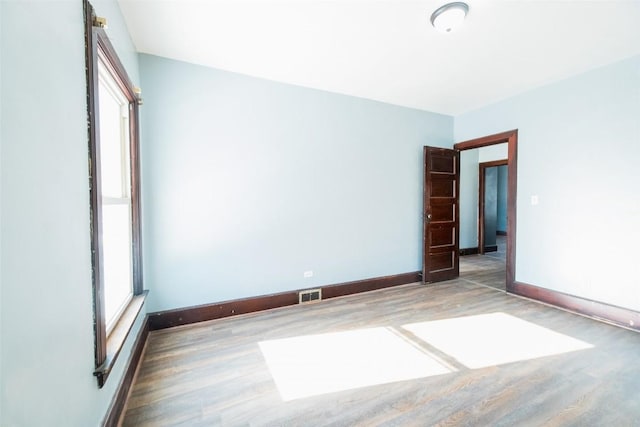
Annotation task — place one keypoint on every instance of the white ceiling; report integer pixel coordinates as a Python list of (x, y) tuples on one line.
[(387, 50)]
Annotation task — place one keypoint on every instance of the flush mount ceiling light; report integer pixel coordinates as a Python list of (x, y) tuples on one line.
[(446, 18)]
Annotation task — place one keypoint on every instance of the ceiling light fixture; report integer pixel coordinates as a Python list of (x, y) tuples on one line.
[(446, 18)]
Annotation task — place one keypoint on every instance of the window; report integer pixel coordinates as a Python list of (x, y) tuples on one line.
[(115, 205), (115, 193)]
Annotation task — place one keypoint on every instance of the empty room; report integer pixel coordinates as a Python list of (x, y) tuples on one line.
[(319, 212)]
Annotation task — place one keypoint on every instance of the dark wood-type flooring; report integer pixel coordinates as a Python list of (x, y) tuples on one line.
[(465, 354)]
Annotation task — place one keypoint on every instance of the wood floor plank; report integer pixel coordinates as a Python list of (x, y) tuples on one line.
[(215, 374)]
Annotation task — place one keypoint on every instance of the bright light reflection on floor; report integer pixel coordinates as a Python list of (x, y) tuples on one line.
[(493, 339), (317, 364)]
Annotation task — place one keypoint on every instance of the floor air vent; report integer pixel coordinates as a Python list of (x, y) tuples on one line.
[(310, 295)]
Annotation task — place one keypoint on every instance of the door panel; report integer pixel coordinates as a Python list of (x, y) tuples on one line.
[(440, 260), (442, 212), (442, 237), (442, 185), (441, 163)]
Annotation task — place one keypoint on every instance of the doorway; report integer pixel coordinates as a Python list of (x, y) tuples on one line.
[(483, 218), (431, 226), (511, 138), (492, 205)]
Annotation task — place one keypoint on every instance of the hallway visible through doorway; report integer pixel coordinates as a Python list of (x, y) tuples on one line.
[(501, 253), (488, 269)]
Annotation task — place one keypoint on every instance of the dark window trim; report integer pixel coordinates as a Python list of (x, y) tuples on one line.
[(97, 45), (118, 336)]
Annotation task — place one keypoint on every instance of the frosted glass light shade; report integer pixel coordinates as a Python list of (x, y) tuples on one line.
[(449, 16)]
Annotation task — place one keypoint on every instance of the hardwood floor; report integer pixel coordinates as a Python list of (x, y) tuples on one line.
[(488, 269), (483, 270), (454, 353), (501, 243)]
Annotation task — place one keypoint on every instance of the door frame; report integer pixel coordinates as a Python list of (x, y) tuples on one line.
[(511, 138), (481, 193)]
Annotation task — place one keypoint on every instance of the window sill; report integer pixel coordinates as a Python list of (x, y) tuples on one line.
[(119, 335)]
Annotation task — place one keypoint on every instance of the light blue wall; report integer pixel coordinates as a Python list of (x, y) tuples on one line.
[(469, 171), (503, 174), (578, 151), (45, 270), (249, 183), (1, 329), (469, 198), (493, 152), (119, 36)]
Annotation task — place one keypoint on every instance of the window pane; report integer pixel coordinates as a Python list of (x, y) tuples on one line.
[(111, 152), (116, 250), (116, 205)]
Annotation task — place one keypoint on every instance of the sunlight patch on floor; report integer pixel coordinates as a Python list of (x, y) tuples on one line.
[(493, 339), (317, 364)]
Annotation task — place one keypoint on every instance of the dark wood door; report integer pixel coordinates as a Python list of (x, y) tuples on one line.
[(441, 256)]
